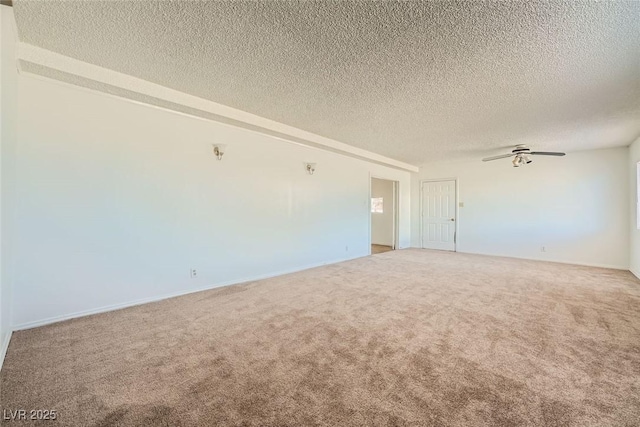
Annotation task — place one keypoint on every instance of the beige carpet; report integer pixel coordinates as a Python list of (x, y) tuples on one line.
[(408, 337)]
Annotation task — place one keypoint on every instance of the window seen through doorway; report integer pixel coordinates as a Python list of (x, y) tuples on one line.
[(377, 205)]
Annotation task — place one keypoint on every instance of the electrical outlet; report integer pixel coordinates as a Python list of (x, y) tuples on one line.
[(193, 273), (543, 249)]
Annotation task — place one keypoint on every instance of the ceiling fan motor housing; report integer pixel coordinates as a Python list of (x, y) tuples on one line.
[(520, 150)]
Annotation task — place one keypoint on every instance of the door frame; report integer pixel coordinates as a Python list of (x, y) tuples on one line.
[(457, 213), (396, 210)]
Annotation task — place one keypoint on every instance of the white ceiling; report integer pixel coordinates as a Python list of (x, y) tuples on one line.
[(415, 81)]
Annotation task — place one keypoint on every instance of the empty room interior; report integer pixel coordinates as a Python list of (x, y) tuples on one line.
[(320, 213)]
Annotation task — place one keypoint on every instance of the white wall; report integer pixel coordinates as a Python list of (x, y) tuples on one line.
[(634, 238), (382, 223), (576, 206), (119, 200), (8, 111)]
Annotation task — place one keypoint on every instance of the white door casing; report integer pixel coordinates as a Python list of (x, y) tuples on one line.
[(438, 215)]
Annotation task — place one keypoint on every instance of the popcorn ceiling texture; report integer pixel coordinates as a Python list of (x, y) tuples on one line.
[(415, 81)]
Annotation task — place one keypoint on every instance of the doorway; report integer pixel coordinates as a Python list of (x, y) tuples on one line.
[(384, 215), (438, 214)]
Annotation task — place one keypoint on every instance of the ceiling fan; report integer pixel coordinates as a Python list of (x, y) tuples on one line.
[(522, 155)]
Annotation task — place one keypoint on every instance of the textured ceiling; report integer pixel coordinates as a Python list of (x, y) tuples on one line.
[(415, 81)]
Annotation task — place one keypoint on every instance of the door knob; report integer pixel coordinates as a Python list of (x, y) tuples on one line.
[(452, 219)]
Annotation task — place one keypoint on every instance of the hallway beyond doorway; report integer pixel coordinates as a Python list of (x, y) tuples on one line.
[(378, 249)]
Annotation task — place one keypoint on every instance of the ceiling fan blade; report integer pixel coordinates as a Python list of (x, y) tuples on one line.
[(546, 153), (502, 156)]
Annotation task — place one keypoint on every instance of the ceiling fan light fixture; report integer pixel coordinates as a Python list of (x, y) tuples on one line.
[(527, 159), (517, 161)]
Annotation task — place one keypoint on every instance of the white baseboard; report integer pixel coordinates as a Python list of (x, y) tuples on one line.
[(635, 273), (559, 261), (4, 346), (112, 307)]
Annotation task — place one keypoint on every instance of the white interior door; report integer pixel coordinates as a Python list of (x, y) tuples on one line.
[(439, 215)]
